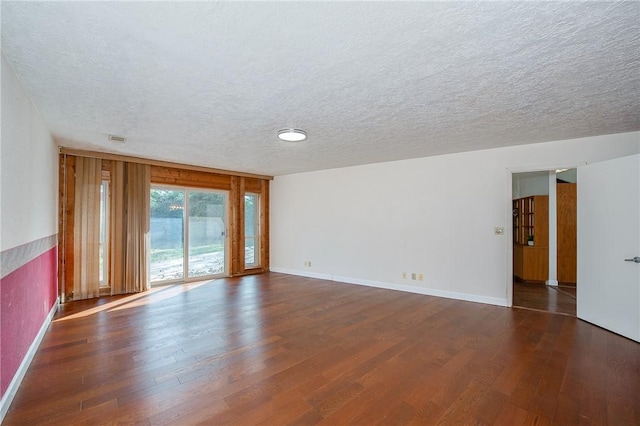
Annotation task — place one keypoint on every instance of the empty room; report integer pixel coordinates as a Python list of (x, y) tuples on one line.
[(278, 213)]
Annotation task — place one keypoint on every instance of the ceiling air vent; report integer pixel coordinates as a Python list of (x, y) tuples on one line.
[(117, 139)]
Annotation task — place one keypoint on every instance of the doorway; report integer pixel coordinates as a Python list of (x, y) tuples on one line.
[(187, 234), (544, 240)]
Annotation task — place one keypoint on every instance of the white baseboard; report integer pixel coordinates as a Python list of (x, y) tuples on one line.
[(398, 287), (552, 282), (7, 398), (302, 273)]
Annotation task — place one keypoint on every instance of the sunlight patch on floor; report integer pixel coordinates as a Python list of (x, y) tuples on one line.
[(152, 295)]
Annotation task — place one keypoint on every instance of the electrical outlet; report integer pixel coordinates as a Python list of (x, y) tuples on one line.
[(404, 275), (420, 277), (413, 275), (309, 265)]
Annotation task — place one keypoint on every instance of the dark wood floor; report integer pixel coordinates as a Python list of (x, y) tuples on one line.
[(276, 349), (558, 299)]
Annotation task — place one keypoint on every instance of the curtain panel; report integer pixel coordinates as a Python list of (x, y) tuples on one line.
[(86, 232), (129, 211)]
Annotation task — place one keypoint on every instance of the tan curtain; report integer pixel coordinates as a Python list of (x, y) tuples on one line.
[(130, 189), (86, 229)]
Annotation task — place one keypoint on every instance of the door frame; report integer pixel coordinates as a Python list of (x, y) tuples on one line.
[(508, 231)]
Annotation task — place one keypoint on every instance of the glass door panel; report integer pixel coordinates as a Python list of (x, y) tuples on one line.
[(104, 234), (250, 230), (167, 234), (206, 233)]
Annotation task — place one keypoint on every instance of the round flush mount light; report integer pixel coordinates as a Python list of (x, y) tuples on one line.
[(292, 135)]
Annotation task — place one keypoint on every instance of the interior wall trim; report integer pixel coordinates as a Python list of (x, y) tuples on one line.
[(152, 162), (13, 258)]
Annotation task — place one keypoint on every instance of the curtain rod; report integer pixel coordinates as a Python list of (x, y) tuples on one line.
[(119, 157)]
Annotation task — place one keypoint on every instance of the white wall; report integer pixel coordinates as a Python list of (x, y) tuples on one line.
[(570, 175), (537, 183), (29, 172), (369, 224), (531, 183)]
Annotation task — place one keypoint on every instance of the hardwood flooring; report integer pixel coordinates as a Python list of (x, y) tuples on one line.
[(558, 299), (276, 349)]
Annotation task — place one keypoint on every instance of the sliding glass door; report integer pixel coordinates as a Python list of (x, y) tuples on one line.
[(206, 234), (167, 234), (188, 234)]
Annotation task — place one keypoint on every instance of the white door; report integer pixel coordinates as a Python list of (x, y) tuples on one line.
[(608, 233)]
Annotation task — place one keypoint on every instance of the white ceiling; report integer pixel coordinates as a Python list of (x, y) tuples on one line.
[(211, 83)]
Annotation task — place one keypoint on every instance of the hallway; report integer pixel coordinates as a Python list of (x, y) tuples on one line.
[(560, 299)]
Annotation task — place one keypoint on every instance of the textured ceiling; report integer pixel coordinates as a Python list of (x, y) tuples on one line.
[(211, 83)]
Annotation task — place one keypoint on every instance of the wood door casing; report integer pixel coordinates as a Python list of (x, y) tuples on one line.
[(567, 231)]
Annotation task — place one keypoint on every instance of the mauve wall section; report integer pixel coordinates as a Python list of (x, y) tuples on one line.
[(26, 298)]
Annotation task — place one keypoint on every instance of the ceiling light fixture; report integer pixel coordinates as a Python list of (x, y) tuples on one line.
[(292, 135)]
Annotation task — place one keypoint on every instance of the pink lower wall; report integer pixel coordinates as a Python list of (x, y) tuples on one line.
[(26, 298)]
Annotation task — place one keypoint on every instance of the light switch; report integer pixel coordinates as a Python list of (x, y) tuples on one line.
[(498, 230)]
